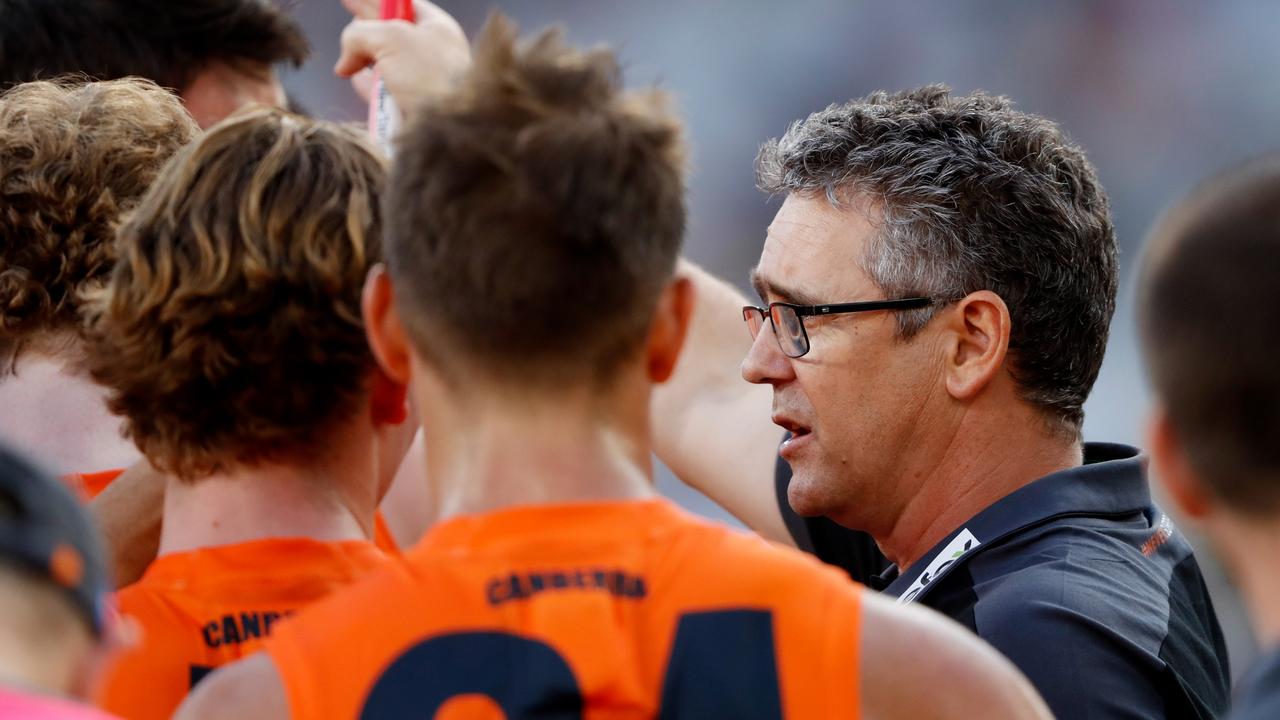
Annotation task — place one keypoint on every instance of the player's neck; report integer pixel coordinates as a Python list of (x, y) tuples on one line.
[(329, 500), (1248, 547), (59, 417), (579, 447), (961, 480)]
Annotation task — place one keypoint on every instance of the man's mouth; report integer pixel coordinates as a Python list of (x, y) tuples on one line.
[(796, 429), (798, 435)]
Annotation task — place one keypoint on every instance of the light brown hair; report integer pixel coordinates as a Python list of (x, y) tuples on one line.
[(230, 332), (1210, 326), (535, 213), (74, 155)]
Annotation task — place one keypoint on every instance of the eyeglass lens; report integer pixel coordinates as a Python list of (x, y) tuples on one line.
[(790, 331), (755, 320), (787, 327)]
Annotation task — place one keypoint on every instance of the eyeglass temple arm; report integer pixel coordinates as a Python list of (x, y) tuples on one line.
[(899, 304)]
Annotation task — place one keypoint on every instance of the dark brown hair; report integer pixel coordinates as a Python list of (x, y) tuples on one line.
[(73, 157), (168, 41), (230, 332), (975, 195), (1210, 327), (535, 213)]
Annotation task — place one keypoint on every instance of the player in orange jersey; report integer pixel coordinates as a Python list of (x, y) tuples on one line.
[(534, 219), (75, 156), (231, 338)]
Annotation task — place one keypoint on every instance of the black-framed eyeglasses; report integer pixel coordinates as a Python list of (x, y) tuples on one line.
[(788, 318)]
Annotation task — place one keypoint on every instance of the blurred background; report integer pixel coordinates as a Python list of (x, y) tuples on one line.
[(1159, 93)]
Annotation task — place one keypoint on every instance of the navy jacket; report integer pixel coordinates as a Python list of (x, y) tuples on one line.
[(1078, 578)]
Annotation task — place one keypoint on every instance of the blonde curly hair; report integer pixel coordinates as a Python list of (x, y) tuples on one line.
[(230, 332), (74, 155)]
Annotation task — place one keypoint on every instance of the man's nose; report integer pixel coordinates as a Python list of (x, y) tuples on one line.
[(765, 362)]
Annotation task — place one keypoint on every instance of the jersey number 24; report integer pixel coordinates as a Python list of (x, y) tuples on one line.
[(722, 664)]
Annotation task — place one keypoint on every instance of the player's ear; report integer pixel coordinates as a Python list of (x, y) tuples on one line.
[(977, 342), (669, 328), (1170, 464), (382, 326), (388, 399)]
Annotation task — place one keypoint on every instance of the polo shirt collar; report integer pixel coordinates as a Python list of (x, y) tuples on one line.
[(1111, 482)]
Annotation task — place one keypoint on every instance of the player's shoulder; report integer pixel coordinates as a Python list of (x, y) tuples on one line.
[(151, 673), (250, 689), (396, 586), (911, 650), (1064, 578), (1072, 550), (176, 590), (356, 629), (717, 556), (155, 607)]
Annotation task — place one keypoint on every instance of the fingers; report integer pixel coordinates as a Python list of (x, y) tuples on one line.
[(416, 60), (362, 41), (365, 42)]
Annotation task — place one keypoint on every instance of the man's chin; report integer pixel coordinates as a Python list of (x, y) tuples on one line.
[(804, 496)]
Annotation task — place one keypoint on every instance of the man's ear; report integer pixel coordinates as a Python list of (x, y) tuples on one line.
[(977, 344), (670, 326), (1172, 466), (382, 327)]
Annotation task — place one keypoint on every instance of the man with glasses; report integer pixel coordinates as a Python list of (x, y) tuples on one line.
[(936, 292), (945, 426)]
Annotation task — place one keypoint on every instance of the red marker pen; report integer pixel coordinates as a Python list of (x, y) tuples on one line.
[(384, 116)]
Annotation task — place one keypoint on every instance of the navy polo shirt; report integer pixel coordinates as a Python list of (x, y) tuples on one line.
[(1078, 578), (1259, 694)]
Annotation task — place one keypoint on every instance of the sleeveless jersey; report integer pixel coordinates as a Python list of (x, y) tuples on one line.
[(201, 609), (595, 610)]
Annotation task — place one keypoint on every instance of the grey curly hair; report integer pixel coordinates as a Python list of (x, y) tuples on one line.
[(972, 195)]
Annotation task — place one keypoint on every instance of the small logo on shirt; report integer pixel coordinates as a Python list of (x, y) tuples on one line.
[(959, 546), (1164, 531)]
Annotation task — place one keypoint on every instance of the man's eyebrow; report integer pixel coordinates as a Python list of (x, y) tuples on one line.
[(766, 289)]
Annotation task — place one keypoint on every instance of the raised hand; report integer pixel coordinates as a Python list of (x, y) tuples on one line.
[(416, 60)]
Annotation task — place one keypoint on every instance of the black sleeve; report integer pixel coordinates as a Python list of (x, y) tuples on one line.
[(850, 550)]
